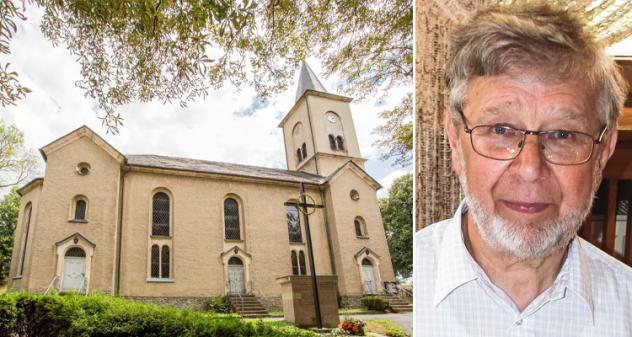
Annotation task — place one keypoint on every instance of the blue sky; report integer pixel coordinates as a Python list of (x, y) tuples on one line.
[(230, 125)]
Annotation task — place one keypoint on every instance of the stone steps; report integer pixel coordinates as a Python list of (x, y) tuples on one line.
[(398, 304), (248, 306)]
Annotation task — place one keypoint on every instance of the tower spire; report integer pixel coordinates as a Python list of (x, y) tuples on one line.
[(308, 81)]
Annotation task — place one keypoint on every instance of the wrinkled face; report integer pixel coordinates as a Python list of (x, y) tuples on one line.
[(527, 207)]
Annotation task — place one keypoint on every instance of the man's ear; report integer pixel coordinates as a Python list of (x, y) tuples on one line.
[(453, 139), (607, 149)]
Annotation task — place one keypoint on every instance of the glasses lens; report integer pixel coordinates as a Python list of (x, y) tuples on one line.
[(566, 147), (496, 141)]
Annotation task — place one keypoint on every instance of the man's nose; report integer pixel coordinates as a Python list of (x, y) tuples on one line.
[(530, 164)]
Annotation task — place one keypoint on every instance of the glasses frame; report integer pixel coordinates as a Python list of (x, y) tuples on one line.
[(525, 132)]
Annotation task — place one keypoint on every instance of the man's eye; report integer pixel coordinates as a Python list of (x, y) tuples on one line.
[(501, 130), (560, 135)]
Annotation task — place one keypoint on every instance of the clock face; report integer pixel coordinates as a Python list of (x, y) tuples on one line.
[(332, 118)]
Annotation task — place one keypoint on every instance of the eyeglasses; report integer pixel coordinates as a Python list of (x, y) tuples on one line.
[(560, 147)]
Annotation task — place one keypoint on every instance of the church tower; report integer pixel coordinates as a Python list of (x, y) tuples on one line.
[(318, 131)]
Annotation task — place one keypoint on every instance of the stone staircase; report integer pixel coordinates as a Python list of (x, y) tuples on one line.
[(398, 304), (248, 306)]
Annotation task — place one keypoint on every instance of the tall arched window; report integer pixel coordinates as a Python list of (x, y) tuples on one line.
[(160, 214), (164, 262), (155, 261), (340, 143), (332, 142), (293, 224), (358, 227), (299, 155), (301, 262), (295, 270), (27, 224), (80, 209), (231, 220), (304, 150)]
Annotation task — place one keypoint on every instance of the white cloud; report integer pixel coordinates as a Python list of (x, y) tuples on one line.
[(388, 180)]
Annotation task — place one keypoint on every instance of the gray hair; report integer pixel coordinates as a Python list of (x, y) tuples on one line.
[(553, 42)]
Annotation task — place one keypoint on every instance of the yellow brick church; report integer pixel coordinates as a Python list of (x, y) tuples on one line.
[(178, 230)]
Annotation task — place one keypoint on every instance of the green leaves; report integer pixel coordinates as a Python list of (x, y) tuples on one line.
[(9, 209), (16, 161), (397, 215)]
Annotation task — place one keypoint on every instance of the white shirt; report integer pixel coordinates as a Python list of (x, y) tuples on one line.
[(591, 296)]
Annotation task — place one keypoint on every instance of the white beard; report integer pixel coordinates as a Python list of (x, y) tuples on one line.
[(526, 241)]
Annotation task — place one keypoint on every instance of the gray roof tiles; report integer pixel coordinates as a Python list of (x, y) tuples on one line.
[(204, 166), (308, 81)]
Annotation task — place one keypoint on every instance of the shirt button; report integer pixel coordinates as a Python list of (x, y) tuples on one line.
[(519, 322)]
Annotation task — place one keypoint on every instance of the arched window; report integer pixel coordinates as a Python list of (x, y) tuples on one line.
[(231, 220), (160, 214), (301, 261), (299, 155), (332, 142), (295, 270), (155, 261), (293, 224), (358, 227), (235, 261), (340, 143), (27, 224), (164, 263), (304, 150), (367, 262), (80, 209)]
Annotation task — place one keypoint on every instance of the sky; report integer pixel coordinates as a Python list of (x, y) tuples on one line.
[(229, 125)]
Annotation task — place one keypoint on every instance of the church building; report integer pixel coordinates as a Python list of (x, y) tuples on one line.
[(176, 230)]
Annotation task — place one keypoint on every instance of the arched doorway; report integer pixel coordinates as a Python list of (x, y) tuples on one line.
[(368, 277), (74, 270), (235, 276)]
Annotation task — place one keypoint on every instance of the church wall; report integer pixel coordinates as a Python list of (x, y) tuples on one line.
[(298, 115), (318, 107), (21, 282), (346, 242), (198, 235), (327, 164), (52, 224)]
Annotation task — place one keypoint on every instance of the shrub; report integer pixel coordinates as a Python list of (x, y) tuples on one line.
[(375, 303), (72, 315), (218, 304)]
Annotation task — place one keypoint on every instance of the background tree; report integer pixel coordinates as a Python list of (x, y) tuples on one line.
[(9, 208), (397, 215), (16, 161), (177, 49)]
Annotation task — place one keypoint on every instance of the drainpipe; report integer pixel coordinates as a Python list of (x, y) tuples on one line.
[(117, 280)]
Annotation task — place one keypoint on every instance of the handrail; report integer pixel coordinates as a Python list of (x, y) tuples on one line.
[(52, 285)]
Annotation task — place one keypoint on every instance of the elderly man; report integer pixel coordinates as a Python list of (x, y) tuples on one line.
[(532, 120)]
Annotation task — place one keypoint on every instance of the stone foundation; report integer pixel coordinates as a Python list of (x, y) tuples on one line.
[(350, 301), (271, 303), (197, 303)]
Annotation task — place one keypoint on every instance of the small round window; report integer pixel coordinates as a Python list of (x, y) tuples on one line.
[(83, 169), (355, 196)]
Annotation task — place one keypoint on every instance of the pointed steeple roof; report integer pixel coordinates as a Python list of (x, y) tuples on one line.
[(308, 81)]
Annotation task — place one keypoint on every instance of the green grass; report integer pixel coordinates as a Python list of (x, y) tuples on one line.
[(384, 327), (276, 313), (357, 311)]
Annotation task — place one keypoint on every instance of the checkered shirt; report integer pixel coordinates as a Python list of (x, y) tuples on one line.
[(591, 296)]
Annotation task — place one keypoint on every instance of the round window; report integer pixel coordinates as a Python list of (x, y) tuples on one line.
[(355, 196), (83, 169)]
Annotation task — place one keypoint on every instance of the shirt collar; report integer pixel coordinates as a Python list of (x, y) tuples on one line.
[(456, 267)]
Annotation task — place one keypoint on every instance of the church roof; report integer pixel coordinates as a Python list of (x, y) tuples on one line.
[(308, 81), (196, 165)]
